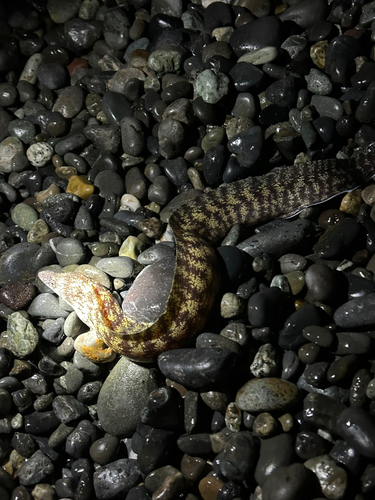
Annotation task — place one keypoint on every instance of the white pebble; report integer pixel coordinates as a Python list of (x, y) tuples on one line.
[(29, 72), (39, 154), (129, 202)]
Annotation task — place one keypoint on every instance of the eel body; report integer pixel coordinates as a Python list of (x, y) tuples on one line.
[(197, 225)]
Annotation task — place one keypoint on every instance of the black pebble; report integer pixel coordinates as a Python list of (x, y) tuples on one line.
[(185, 366)]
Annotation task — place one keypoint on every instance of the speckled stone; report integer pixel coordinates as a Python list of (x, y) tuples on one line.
[(211, 85), (165, 61), (20, 337), (9, 147), (70, 102), (266, 394), (332, 478)]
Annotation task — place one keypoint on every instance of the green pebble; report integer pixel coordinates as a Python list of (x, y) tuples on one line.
[(24, 216), (213, 138), (211, 85)]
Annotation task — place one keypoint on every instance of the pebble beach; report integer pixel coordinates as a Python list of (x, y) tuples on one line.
[(113, 114)]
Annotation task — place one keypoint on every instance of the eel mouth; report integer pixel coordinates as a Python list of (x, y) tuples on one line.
[(48, 278)]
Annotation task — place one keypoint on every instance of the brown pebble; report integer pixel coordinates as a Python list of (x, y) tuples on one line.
[(65, 172), (193, 468), (265, 425), (286, 422), (180, 388), (233, 417), (48, 237), (57, 161), (351, 203), (78, 62), (80, 186), (32, 202), (172, 486), (137, 29), (140, 53), (215, 400), (20, 369), (151, 227), (39, 231), (330, 217), (17, 295), (52, 190), (210, 486), (361, 256), (308, 353), (39, 138), (318, 53)]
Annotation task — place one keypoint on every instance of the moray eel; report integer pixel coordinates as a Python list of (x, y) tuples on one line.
[(197, 225)]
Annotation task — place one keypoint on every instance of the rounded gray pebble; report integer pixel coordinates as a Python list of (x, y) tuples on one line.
[(69, 251)]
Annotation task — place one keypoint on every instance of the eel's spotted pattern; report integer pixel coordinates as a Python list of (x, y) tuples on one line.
[(197, 225)]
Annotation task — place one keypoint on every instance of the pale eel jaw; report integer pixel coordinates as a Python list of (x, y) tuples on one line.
[(48, 278), (88, 344)]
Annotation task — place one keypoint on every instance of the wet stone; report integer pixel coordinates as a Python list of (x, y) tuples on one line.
[(357, 428), (104, 137), (184, 365), (332, 478), (364, 112), (171, 136), (159, 191), (41, 422), (71, 381), (246, 76), (322, 411), (290, 336), (261, 302), (238, 456), (264, 32), (69, 251), (195, 444), (68, 409), (23, 443), (247, 145), (278, 241), (22, 129), (340, 53), (275, 452), (288, 482), (327, 106), (35, 469), (79, 440), (265, 362), (342, 368), (164, 409), (315, 373), (265, 425), (155, 449), (132, 136), (356, 313), (309, 445), (104, 450)]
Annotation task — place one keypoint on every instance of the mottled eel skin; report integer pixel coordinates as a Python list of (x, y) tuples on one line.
[(197, 225)]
